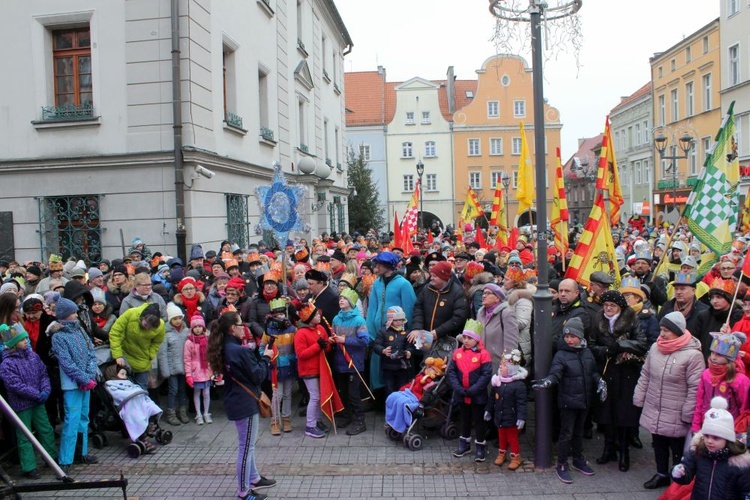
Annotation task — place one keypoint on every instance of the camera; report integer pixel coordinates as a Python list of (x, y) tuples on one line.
[(208, 174)]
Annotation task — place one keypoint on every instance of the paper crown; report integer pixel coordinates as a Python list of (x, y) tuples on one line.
[(349, 279), (227, 256), (685, 279), (307, 312), (12, 335), (301, 254), (324, 267), (277, 304), (630, 282), (54, 258), (273, 276), (643, 254), (350, 295), (472, 269), (727, 345), (514, 274), (529, 274), (473, 329), (725, 287)]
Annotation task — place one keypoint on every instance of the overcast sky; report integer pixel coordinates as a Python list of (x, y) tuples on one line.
[(423, 37)]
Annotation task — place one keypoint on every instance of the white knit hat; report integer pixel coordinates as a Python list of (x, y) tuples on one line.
[(718, 421), (173, 311)]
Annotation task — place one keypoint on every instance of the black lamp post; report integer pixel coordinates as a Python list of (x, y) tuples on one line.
[(505, 178), (420, 173), (686, 144)]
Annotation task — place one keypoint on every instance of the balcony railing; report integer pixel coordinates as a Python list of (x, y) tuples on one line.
[(339, 167), (233, 120), (267, 134), (68, 112)]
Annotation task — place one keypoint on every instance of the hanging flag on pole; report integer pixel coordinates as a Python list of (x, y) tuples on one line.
[(559, 219), (525, 188), (396, 231), (608, 177), (412, 212), (595, 250), (498, 216), (471, 209), (711, 210), (744, 223)]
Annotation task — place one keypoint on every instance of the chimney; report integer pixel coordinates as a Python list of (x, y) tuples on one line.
[(450, 89), (381, 71)]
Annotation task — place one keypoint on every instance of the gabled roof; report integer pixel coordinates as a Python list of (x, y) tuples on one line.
[(641, 92), (586, 153)]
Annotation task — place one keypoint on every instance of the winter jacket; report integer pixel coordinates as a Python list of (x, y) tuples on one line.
[(352, 325), (469, 374), (138, 346), (307, 349), (520, 299), (25, 377), (444, 311), (284, 359), (727, 479), (116, 294), (258, 311), (80, 293), (388, 337), (133, 300), (735, 393), (474, 292), (242, 306), (250, 369), (499, 333), (171, 352), (507, 401), (196, 367), (649, 325), (200, 308), (625, 339), (75, 355), (691, 319), (328, 303), (667, 389), (105, 320), (712, 320), (574, 371), (213, 299), (561, 314)]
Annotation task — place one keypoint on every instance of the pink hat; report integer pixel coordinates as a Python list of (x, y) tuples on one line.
[(197, 320)]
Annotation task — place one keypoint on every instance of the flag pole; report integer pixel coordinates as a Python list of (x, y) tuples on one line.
[(559, 223), (734, 299), (349, 359)]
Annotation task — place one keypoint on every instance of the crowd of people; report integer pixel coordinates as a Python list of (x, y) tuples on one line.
[(341, 319)]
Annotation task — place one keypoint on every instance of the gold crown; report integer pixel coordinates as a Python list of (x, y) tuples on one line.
[(726, 286)]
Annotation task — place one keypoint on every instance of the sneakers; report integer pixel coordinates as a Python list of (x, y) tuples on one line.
[(464, 447), (358, 427), (207, 418), (199, 419), (263, 483), (251, 495), (314, 432), (563, 473), (582, 466)]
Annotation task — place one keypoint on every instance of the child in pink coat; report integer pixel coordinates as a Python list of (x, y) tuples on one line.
[(722, 378), (197, 372)]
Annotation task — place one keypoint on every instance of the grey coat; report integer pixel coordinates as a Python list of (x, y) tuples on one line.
[(667, 388), (170, 355), (499, 332)]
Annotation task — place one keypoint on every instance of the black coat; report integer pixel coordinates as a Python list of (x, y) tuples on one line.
[(691, 319), (574, 371), (397, 342), (715, 479), (711, 320), (561, 315), (507, 403), (328, 303), (444, 311)]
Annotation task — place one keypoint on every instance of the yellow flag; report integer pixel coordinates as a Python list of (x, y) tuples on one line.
[(525, 189), (608, 176), (559, 219), (471, 209), (745, 215)]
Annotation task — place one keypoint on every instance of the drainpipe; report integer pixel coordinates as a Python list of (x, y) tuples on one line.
[(179, 177)]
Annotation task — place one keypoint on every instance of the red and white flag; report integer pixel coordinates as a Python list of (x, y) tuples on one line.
[(412, 212)]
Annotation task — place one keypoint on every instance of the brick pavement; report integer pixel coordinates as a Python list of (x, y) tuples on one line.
[(199, 463)]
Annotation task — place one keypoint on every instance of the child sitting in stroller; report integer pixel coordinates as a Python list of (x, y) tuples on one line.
[(136, 409), (400, 405)]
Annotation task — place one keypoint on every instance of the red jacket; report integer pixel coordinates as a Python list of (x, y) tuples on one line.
[(308, 351)]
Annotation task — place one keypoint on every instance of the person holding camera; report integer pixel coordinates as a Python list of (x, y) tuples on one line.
[(395, 351)]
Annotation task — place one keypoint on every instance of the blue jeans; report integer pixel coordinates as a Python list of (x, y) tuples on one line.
[(177, 395), (247, 472), (141, 379), (76, 422)]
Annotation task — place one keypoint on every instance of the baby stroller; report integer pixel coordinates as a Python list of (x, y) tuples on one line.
[(431, 411), (124, 407)]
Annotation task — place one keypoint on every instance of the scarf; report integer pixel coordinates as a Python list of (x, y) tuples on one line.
[(684, 308), (669, 346), (717, 373), (32, 328), (637, 308), (202, 342), (612, 320), (270, 296), (489, 309), (191, 305)]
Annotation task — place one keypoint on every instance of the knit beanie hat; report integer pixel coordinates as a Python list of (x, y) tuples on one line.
[(9, 287), (442, 270), (394, 312), (12, 335), (674, 322), (65, 308), (33, 302), (718, 421), (615, 297), (301, 284), (574, 326), (95, 272), (152, 315), (350, 295), (173, 311), (197, 320), (35, 270), (237, 283), (498, 291)]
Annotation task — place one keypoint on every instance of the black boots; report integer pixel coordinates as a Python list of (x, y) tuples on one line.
[(608, 455), (624, 464)]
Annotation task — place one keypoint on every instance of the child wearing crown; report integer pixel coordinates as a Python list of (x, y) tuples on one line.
[(279, 337), (469, 374)]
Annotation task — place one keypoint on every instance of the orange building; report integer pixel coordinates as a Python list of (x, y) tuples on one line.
[(487, 138)]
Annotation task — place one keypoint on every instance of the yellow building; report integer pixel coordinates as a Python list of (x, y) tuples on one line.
[(487, 138), (686, 83)]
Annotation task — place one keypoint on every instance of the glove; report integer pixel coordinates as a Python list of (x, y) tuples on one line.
[(43, 396), (541, 384), (520, 424), (189, 381), (678, 471), (487, 416), (271, 340), (89, 386), (322, 343), (601, 389), (613, 349)]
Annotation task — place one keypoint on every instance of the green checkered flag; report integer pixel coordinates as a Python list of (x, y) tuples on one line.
[(711, 209)]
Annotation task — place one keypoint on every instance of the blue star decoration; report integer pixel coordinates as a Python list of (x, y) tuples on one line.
[(278, 205)]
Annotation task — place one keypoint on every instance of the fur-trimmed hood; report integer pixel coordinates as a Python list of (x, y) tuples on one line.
[(527, 292), (123, 289), (478, 282), (741, 461), (520, 374)]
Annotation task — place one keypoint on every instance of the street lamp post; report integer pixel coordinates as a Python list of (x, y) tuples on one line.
[(686, 144), (505, 178), (420, 173)]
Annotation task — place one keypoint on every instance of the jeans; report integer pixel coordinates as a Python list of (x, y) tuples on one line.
[(141, 379), (35, 417), (283, 393), (571, 435), (662, 446), (247, 433), (348, 387), (313, 406), (177, 396), (76, 422), (394, 380)]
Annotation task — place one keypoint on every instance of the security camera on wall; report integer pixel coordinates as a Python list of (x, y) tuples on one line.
[(208, 174)]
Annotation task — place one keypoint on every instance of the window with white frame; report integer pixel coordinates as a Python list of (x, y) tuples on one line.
[(408, 183), (407, 150), (675, 105), (516, 146), (410, 117), (493, 109), (693, 161), (705, 44), (662, 110), (496, 177), (426, 118), (637, 134), (688, 54), (646, 171), (689, 99), (638, 173), (734, 65), (429, 149), (672, 65), (738, 133), (515, 179), (706, 146), (496, 146), (519, 108), (475, 180), (431, 182), (364, 150), (474, 147), (624, 175), (645, 132), (630, 137), (733, 7), (618, 146), (707, 92)]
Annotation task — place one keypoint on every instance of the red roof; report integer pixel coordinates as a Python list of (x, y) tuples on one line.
[(586, 153), (643, 91)]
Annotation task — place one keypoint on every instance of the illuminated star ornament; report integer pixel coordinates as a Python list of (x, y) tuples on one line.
[(278, 205)]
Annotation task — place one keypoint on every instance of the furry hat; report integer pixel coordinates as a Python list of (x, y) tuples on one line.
[(718, 421)]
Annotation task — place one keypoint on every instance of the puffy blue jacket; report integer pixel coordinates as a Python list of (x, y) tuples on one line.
[(352, 325)]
